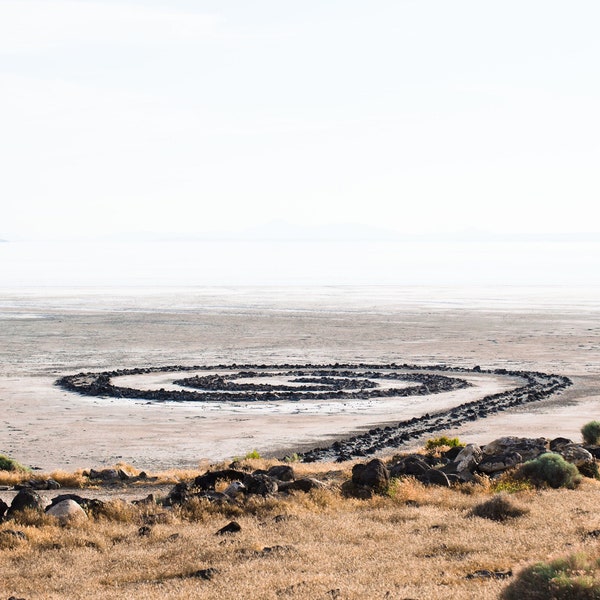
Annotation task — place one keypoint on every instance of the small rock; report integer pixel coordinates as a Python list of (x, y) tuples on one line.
[(233, 527), (487, 574), (206, 574), (234, 489), (144, 531)]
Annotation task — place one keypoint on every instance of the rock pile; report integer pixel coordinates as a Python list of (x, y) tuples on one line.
[(460, 465)]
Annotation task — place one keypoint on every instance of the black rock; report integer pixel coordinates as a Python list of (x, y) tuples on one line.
[(374, 475), (208, 480), (282, 473), (206, 574), (260, 484), (26, 498), (233, 527)]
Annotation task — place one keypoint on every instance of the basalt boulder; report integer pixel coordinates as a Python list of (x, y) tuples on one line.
[(528, 448), (26, 498), (374, 475), (498, 463)]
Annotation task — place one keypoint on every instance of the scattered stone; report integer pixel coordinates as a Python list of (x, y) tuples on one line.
[(208, 480), (179, 495), (26, 498), (144, 531), (232, 527), (234, 489), (373, 475), (159, 517), (206, 574), (104, 474), (260, 484), (282, 473), (282, 518), (487, 574), (67, 511), (278, 549)]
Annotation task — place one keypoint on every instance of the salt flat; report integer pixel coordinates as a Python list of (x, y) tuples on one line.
[(46, 335)]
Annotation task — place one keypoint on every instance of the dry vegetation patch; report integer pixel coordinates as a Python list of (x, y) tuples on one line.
[(416, 542)]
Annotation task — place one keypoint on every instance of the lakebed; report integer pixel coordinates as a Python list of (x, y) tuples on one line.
[(49, 334)]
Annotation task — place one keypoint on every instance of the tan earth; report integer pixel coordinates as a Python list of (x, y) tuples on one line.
[(45, 336)]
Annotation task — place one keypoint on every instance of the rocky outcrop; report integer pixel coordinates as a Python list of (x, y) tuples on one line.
[(491, 460)]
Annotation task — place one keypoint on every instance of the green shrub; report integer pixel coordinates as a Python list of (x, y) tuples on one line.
[(591, 432), (292, 458), (550, 469), (443, 441), (576, 577), (10, 464), (253, 454)]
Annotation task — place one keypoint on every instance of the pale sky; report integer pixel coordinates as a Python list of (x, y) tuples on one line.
[(420, 116)]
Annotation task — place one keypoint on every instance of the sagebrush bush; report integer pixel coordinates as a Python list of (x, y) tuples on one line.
[(10, 464), (498, 508), (591, 432), (576, 577), (550, 469), (443, 441)]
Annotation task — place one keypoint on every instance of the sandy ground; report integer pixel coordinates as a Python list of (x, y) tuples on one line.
[(44, 337)]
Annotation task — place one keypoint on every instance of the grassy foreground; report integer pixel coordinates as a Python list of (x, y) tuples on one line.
[(415, 542)]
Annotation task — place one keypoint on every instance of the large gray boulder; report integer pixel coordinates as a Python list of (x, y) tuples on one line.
[(467, 459), (528, 448), (67, 511), (576, 455), (498, 463)]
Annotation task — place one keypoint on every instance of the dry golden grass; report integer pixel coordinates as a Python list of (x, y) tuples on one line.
[(417, 542)]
